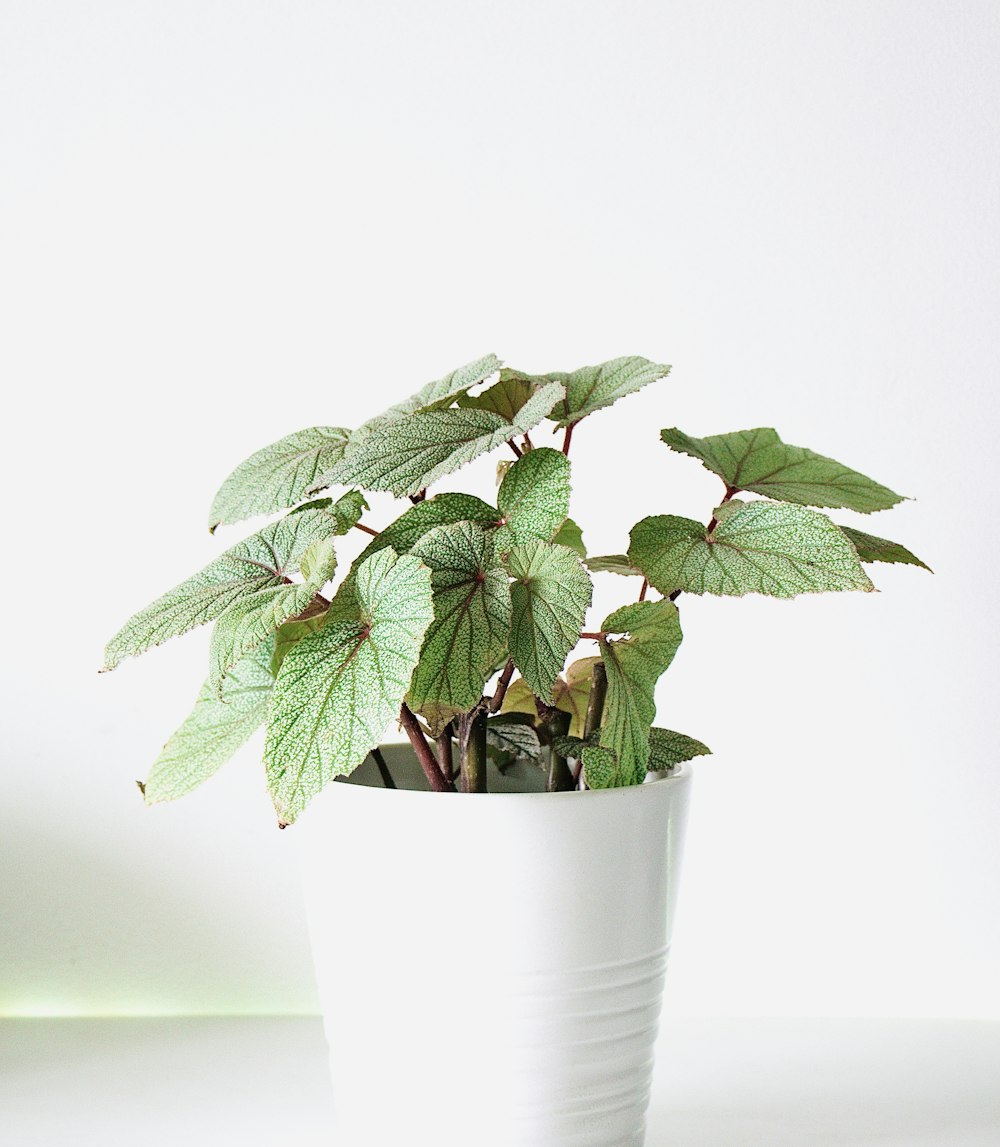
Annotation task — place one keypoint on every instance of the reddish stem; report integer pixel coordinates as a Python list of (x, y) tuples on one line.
[(501, 690), (432, 772), (568, 438), (645, 587), (514, 446), (366, 529)]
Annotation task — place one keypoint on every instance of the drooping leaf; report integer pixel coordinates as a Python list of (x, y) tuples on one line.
[(667, 748), (255, 618), (758, 461), (572, 693), (634, 664), (758, 547), (507, 734), (439, 394), (263, 560), (339, 687), (214, 730), (505, 397), (570, 534), (550, 596), (533, 498), (613, 563), (345, 510), (468, 635), (593, 387), (279, 475), (407, 455), (872, 549)]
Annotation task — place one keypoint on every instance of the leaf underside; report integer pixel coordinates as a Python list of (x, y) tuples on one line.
[(570, 534), (873, 549)]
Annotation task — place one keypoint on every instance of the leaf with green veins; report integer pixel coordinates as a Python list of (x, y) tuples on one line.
[(409, 454), (346, 510), (570, 534), (442, 510), (341, 686), (533, 498), (509, 735), (439, 394), (279, 475), (214, 730), (667, 749), (872, 549), (758, 461), (550, 595), (261, 561), (571, 746), (255, 618), (505, 397), (613, 563), (634, 664), (594, 387), (758, 547), (468, 635)]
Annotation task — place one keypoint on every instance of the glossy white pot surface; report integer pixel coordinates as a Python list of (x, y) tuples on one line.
[(491, 966)]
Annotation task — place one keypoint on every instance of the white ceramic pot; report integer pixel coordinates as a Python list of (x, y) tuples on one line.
[(491, 967)]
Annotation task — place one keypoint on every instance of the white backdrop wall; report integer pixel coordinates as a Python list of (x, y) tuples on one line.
[(221, 222)]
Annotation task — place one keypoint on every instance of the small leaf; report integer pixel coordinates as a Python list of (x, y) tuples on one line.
[(468, 636), (263, 560), (667, 749), (758, 461), (573, 693), (634, 665), (593, 387), (214, 730), (757, 547), (533, 498), (509, 735), (570, 534), (602, 769), (341, 686), (519, 698), (613, 563), (549, 599), (346, 510), (407, 455), (872, 549), (279, 475)]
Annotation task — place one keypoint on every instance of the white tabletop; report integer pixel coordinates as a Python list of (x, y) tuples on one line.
[(719, 1083)]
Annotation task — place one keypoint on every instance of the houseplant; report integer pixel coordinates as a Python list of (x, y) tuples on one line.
[(513, 947)]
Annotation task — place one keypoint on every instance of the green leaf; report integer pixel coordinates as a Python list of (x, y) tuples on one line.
[(263, 560), (279, 475), (757, 460), (634, 664), (346, 510), (593, 387), (757, 547), (667, 748), (250, 621), (573, 692), (214, 730), (505, 397), (570, 534), (613, 563), (533, 498), (471, 620), (340, 687), (507, 734), (291, 633), (872, 549), (549, 600), (439, 394), (603, 770), (407, 455), (443, 510), (519, 698)]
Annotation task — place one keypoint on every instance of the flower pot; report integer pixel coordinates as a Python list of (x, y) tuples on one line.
[(491, 967)]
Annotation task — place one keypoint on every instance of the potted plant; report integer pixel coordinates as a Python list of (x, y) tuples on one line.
[(490, 966)]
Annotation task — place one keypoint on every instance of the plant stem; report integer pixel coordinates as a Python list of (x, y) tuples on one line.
[(444, 753), (528, 445), (730, 491), (501, 691), (366, 529), (419, 496), (599, 636), (595, 702), (383, 768), (555, 723), (472, 745), (514, 446), (435, 777), (645, 587), (568, 438)]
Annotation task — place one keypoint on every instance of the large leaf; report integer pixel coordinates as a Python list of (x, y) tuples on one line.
[(440, 393), (468, 636), (279, 475), (550, 596), (757, 547), (757, 460), (533, 498), (872, 549), (214, 730), (593, 387), (339, 688), (634, 664), (250, 621), (407, 455), (263, 560)]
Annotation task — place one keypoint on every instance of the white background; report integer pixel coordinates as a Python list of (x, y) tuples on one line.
[(220, 222)]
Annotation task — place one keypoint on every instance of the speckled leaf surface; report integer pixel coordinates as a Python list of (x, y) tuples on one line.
[(872, 549), (339, 687), (439, 393), (758, 461), (442, 510), (516, 737), (592, 388), (505, 397), (254, 619), (550, 595), (468, 635), (407, 455), (263, 560), (533, 498), (346, 510), (667, 748), (279, 475), (758, 547), (634, 664), (214, 730)]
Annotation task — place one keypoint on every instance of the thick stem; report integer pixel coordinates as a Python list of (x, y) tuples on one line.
[(472, 745), (568, 438), (501, 690), (595, 702), (444, 753), (383, 768), (435, 778), (514, 446), (559, 778)]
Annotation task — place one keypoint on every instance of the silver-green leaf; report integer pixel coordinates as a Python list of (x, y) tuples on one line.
[(533, 498), (508, 734), (594, 387), (613, 563), (440, 393)]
